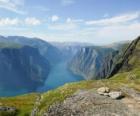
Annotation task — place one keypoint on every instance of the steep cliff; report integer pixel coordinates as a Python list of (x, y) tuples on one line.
[(111, 60), (129, 59), (22, 68), (89, 60)]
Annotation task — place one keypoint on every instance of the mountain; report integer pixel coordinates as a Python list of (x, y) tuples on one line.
[(111, 60), (88, 61), (21, 67), (51, 53), (82, 98), (69, 49), (129, 59), (97, 62)]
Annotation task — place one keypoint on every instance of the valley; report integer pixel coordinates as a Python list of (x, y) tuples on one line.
[(72, 79)]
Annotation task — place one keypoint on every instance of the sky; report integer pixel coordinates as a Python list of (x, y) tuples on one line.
[(91, 21)]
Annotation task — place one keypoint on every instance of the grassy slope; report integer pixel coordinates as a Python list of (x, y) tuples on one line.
[(23, 103)]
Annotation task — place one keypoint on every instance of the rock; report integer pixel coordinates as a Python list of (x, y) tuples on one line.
[(89, 103), (103, 90), (131, 92), (106, 94), (115, 94), (7, 109)]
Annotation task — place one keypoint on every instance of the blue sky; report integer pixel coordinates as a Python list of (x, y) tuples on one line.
[(93, 21)]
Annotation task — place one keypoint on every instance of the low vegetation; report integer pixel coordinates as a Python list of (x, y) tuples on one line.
[(24, 104)]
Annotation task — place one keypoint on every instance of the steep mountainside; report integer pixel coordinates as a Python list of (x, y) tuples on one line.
[(126, 60), (22, 68), (88, 61), (111, 60), (129, 59), (97, 62), (51, 53)]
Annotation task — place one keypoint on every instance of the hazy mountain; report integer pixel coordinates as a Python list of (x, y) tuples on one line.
[(69, 49), (22, 68), (46, 49), (88, 61)]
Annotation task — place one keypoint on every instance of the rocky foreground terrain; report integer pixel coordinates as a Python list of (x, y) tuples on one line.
[(89, 103)]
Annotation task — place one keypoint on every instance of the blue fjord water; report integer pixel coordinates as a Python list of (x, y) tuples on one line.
[(58, 76)]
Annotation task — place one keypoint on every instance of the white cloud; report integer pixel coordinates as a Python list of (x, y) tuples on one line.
[(67, 2), (69, 20), (32, 21), (63, 27), (29, 21), (55, 18), (12, 5), (114, 20), (101, 36), (9, 22)]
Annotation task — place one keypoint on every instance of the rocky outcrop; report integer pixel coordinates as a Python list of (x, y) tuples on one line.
[(22, 68), (106, 92), (89, 103)]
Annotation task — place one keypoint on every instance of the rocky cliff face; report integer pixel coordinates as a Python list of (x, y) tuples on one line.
[(129, 58), (22, 68), (89, 60), (98, 63)]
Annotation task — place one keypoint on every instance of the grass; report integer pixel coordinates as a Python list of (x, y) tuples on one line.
[(24, 103)]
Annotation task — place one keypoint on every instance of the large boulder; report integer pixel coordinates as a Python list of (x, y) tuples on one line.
[(116, 94), (103, 90)]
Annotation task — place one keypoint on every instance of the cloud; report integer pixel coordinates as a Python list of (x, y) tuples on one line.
[(55, 18), (29, 21), (114, 20), (32, 21), (69, 20), (63, 27), (12, 5), (9, 22), (67, 2)]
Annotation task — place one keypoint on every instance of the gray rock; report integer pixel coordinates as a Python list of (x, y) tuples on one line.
[(89, 103), (103, 90), (115, 94), (7, 109)]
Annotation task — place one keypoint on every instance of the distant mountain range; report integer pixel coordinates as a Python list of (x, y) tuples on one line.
[(28, 61)]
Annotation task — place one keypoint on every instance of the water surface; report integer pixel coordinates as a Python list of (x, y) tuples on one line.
[(58, 76)]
